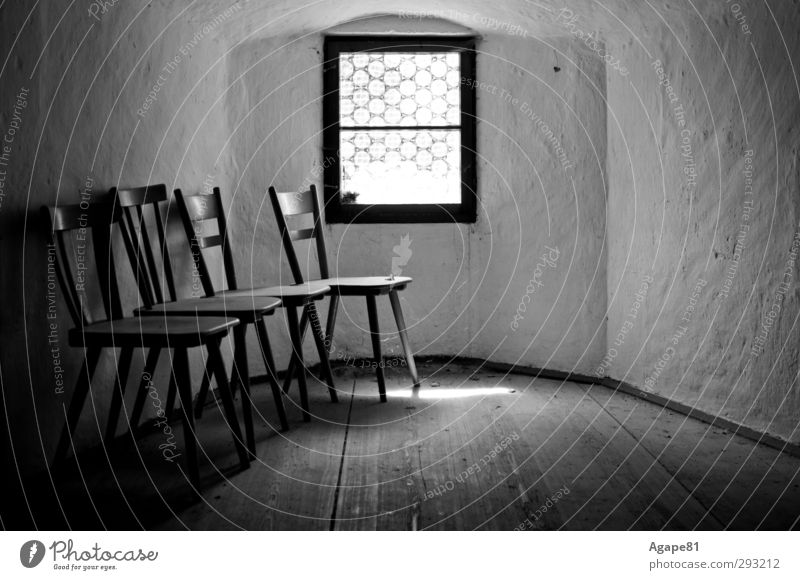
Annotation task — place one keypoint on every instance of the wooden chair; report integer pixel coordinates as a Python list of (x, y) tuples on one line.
[(68, 227), (141, 206), (140, 203), (296, 206), (198, 209)]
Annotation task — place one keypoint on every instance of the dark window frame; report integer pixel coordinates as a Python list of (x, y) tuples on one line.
[(337, 212)]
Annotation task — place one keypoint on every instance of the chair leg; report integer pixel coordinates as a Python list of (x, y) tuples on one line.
[(243, 376), (269, 363), (333, 309), (322, 350), (117, 397), (180, 368), (235, 378), (171, 390), (401, 328), (375, 333), (297, 358), (216, 362), (91, 357), (292, 369), (202, 394), (144, 387)]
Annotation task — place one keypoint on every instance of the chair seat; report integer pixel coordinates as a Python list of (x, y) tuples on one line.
[(147, 331), (365, 285), (294, 294), (247, 309)]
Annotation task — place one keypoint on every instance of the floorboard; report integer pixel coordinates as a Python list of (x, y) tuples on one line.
[(749, 486), (471, 449)]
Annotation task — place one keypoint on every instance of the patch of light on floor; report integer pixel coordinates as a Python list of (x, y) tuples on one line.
[(449, 393)]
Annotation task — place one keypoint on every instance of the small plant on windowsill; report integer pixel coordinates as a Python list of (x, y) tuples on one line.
[(349, 197)]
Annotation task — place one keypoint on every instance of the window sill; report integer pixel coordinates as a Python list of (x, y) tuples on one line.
[(397, 214)]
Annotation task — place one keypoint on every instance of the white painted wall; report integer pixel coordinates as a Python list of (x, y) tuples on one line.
[(469, 280), (740, 93), (85, 80)]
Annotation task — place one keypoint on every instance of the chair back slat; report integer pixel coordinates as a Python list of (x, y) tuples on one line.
[(140, 196), (295, 202), (104, 262), (142, 211), (201, 207), (209, 242), (227, 253), (81, 215), (65, 278), (162, 236), (304, 234), (194, 210), (322, 253), (148, 250), (73, 223), (291, 205), (136, 260)]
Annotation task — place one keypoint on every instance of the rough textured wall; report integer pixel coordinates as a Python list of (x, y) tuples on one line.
[(703, 211), (84, 81), (538, 246)]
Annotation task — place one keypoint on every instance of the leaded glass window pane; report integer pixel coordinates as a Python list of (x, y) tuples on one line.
[(400, 115)]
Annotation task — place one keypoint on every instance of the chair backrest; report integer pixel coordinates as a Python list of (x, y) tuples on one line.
[(71, 229), (140, 207), (292, 207), (196, 211)]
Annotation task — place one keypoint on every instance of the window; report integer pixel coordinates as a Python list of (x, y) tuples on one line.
[(399, 129)]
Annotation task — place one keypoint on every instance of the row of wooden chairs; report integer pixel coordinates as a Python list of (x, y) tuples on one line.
[(166, 322)]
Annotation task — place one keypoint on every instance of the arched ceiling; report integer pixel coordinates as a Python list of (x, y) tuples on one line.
[(541, 18)]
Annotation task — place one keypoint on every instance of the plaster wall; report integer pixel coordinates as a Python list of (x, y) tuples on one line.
[(469, 279), (80, 125), (731, 111)]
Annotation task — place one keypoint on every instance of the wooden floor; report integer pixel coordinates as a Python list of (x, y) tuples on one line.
[(471, 449)]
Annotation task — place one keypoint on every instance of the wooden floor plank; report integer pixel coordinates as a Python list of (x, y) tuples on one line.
[(746, 484), (415, 465), (292, 484), (379, 485), (471, 449), (582, 448), (467, 460)]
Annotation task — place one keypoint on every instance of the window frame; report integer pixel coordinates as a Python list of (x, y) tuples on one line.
[(337, 212)]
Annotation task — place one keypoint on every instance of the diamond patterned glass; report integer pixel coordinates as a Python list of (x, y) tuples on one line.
[(416, 163)]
